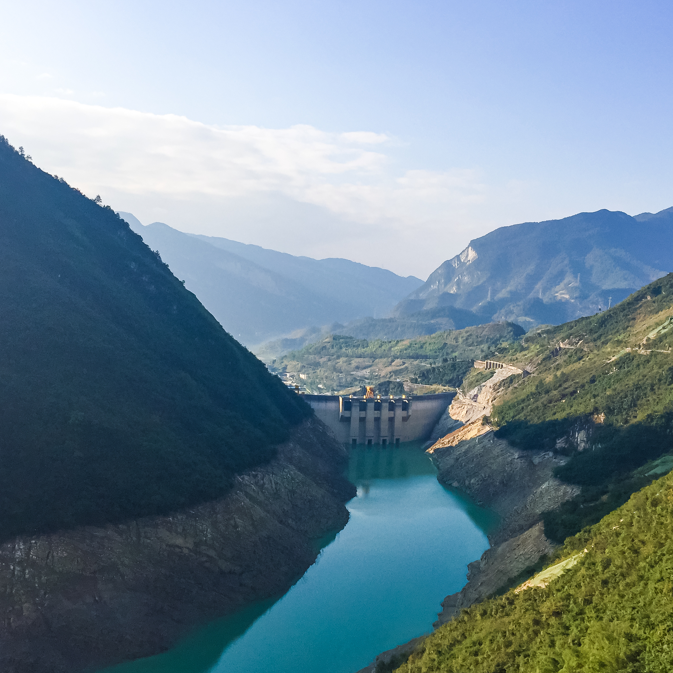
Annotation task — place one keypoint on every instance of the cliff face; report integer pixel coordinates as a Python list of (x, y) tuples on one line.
[(89, 597)]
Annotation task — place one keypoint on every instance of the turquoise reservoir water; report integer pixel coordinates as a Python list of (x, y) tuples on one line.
[(377, 584)]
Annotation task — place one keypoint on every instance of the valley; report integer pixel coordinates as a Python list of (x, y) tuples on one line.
[(408, 541), (158, 480), (336, 337)]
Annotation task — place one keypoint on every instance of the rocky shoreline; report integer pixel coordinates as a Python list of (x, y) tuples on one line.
[(516, 485), (90, 597)]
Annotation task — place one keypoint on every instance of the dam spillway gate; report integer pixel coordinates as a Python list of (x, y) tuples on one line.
[(380, 420)]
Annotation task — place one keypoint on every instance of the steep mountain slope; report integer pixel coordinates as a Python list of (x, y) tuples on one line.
[(115, 379), (601, 395), (259, 294), (564, 448), (604, 604), (551, 272), (153, 473)]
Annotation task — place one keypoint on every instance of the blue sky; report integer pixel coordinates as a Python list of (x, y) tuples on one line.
[(386, 132)]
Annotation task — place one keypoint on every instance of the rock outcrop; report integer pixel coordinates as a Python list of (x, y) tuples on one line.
[(89, 597), (479, 401), (517, 485), (462, 433), (485, 576), (392, 658)]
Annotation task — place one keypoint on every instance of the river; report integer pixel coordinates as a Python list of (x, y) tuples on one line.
[(376, 584)]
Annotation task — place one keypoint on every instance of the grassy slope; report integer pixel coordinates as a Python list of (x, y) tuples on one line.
[(443, 358), (611, 612), (629, 391), (120, 395)]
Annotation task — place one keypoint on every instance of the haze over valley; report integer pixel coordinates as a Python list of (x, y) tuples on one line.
[(336, 337), (258, 294)]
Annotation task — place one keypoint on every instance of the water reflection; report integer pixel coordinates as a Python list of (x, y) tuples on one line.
[(376, 584), (387, 462)]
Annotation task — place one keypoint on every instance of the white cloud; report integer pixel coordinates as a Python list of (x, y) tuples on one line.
[(201, 177)]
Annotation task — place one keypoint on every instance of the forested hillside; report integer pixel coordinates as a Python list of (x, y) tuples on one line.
[(120, 395), (336, 362), (600, 398), (601, 394), (609, 611)]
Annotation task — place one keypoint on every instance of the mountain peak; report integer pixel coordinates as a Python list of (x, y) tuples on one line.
[(552, 271)]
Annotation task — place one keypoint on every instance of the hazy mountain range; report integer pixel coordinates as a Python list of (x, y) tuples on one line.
[(531, 273), (551, 272), (259, 294)]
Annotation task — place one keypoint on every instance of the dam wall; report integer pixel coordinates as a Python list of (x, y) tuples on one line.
[(360, 420)]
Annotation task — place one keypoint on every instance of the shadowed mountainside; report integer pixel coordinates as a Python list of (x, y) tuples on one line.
[(120, 395)]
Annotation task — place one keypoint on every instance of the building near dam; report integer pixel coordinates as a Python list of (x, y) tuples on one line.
[(377, 420)]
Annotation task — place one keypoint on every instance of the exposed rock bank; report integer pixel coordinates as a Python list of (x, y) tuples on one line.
[(393, 658), (517, 485), (496, 565), (89, 597)]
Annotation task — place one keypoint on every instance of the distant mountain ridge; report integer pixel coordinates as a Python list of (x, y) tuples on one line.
[(553, 271), (259, 294), (415, 325)]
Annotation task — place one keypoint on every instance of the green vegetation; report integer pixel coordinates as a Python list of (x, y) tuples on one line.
[(120, 395), (610, 612), (340, 363), (449, 373), (608, 376), (476, 377), (601, 397)]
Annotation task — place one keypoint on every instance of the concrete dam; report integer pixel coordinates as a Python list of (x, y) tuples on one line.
[(388, 420)]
